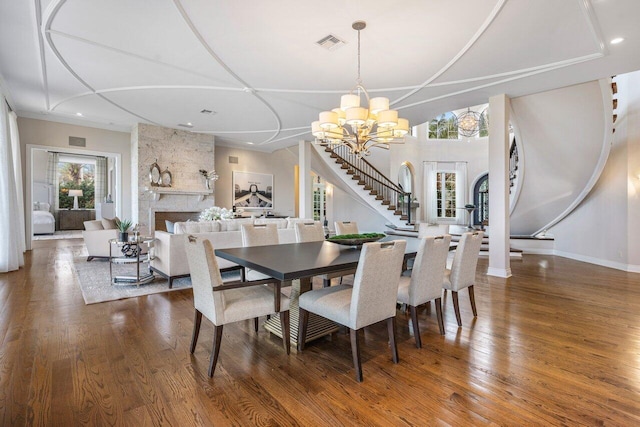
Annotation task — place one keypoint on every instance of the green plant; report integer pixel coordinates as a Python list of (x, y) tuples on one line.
[(123, 225)]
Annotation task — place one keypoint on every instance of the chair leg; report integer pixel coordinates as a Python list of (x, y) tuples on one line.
[(438, 303), (391, 325), (255, 324), (196, 331), (286, 333), (416, 328), (456, 307), (303, 319), (355, 353), (472, 298), (216, 349)]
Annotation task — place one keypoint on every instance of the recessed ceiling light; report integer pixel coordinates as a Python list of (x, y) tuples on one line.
[(617, 40), (79, 114), (250, 143), (189, 124)]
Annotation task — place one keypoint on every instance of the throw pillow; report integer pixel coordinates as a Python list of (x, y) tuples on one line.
[(170, 225), (93, 225), (109, 224)]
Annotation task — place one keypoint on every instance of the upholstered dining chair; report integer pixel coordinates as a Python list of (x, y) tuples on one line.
[(314, 232), (425, 282), (425, 229), (258, 235), (463, 270), (346, 227), (371, 299), (224, 303)]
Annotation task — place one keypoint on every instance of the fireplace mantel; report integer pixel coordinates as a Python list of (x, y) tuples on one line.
[(157, 192)]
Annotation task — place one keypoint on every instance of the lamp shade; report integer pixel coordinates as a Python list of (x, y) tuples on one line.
[(357, 115), (387, 118), (328, 120), (378, 104), (74, 193), (349, 101)]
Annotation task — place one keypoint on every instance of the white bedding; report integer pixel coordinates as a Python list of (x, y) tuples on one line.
[(43, 222)]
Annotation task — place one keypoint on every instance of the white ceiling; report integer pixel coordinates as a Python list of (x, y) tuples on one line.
[(256, 64)]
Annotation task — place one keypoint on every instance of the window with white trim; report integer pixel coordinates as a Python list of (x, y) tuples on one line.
[(446, 195)]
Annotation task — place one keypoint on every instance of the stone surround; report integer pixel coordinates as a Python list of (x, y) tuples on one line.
[(184, 153)]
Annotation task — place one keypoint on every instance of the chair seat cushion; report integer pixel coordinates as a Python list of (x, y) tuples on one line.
[(403, 289), (332, 303), (446, 284), (254, 275), (250, 302)]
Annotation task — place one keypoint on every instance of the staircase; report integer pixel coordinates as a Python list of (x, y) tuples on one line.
[(376, 189)]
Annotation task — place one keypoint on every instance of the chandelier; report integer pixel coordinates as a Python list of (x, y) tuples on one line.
[(469, 123), (360, 127)]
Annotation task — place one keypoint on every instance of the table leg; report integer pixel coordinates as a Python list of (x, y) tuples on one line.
[(317, 327)]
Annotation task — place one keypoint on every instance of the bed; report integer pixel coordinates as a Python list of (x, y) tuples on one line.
[(43, 221)]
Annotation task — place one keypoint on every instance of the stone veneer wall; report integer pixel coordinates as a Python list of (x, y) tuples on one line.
[(184, 153)]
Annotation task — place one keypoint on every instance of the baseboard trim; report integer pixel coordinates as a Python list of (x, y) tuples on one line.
[(631, 268), (499, 272)]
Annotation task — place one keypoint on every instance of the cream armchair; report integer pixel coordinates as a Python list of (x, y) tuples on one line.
[(96, 239)]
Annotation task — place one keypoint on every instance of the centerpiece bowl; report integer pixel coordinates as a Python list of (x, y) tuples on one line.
[(355, 239)]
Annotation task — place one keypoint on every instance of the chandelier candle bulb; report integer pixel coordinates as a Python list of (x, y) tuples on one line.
[(387, 118), (378, 104), (357, 116), (328, 120), (349, 101)]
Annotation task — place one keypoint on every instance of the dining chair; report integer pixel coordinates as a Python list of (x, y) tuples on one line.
[(463, 270), (425, 283), (346, 227), (314, 232), (224, 303), (258, 235), (371, 299), (425, 229)]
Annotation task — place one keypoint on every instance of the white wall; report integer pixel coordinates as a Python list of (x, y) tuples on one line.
[(40, 162), (53, 134), (474, 151), (603, 229), (280, 163)]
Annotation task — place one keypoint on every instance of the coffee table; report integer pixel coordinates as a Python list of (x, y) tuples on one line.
[(130, 253)]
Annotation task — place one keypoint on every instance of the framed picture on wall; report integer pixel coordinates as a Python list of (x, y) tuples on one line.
[(252, 190)]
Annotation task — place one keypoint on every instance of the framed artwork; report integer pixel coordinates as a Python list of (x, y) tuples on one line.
[(252, 190)]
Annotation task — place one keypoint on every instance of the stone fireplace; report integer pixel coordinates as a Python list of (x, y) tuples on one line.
[(183, 154)]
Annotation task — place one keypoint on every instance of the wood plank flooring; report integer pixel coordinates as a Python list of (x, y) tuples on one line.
[(556, 344)]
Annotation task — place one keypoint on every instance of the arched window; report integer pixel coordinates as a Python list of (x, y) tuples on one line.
[(481, 200), (484, 123)]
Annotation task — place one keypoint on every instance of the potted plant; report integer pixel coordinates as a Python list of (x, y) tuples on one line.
[(123, 227)]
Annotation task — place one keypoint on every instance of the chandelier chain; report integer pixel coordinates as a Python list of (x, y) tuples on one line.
[(359, 80)]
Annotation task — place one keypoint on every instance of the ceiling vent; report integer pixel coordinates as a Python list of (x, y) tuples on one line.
[(205, 111), (330, 42), (188, 125)]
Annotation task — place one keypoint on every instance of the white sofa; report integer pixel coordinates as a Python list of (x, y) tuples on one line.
[(97, 234), (170, 259)]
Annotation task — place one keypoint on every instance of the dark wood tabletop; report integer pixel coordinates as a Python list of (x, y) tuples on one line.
[(298, 260)]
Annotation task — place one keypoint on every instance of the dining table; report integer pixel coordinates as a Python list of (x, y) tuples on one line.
[(295, 264)]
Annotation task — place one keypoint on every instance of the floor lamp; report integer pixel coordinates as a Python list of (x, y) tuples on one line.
[(75, 194)]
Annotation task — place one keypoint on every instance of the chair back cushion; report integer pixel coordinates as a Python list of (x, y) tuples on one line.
[(259, 235), (309, 232), (204, 276), (428, 270), (426, 229), (93, 225), (375, 286), (465, 260), (346, 227)]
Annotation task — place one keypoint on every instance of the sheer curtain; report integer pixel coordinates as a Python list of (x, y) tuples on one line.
[(430, 171), (461, 192), (100, 179), (11, 233), (52, 179)]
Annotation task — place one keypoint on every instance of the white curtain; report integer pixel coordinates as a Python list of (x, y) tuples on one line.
[(100, 180), (52, 179), (11, 233), (430, 178), (461, 192), (17, 171)]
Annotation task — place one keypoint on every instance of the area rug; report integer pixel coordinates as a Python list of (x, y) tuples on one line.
[(96, 286), (60, 234)]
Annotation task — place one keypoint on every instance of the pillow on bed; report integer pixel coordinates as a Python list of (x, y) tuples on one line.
[(44, 206)]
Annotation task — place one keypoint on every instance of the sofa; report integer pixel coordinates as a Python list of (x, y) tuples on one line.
[(170, 259)]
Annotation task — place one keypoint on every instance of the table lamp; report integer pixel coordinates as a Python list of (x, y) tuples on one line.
[(75, 194)]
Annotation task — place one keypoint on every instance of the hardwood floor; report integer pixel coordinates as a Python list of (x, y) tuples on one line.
[(557, 344)]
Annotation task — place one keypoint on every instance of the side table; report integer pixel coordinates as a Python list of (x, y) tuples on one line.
[(131, 252)]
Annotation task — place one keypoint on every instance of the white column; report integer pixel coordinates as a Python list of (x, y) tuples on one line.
[(499, 261), (305, 207)]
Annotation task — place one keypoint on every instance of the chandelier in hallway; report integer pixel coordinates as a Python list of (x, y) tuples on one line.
[(357, 126)]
